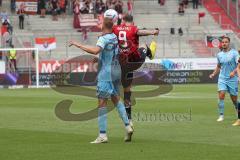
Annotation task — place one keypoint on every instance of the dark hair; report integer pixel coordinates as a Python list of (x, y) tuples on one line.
[(225, 37), (107, 23), (128, 18)]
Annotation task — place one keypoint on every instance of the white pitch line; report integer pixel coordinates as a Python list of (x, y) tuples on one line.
[(183, 96)]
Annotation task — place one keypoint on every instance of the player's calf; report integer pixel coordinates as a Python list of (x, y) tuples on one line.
[(221, 110)]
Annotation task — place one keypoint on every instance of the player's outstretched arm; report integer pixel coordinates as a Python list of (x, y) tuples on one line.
[(215, 72), (90, 49), (143, 32)]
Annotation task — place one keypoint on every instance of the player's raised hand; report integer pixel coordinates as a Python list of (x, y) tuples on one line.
[(72, 43), (156, 32), (211, 76)]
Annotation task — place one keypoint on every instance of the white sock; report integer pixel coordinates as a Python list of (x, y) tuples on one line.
[(102, 135)]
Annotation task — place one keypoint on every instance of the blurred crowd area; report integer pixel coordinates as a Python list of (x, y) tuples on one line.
[(81, 6)]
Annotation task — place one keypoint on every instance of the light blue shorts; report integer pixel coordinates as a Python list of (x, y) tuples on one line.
[(230, 86), (106, 89)]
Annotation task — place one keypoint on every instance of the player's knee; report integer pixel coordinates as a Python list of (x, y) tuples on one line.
[(144, 51), (115, 100), (234, 99), (127, 88), (126, 83), (102, 103), (221, 96), (127, 95)]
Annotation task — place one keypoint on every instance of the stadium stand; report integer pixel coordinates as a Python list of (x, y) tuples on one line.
[(189, 44)]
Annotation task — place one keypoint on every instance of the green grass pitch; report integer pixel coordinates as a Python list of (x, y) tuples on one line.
[(29, 129)]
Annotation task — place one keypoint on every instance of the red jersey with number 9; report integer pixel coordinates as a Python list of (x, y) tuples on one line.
[(128, 40)]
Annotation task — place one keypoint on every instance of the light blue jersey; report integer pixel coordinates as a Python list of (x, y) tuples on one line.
[(109, 68), (228, 62)]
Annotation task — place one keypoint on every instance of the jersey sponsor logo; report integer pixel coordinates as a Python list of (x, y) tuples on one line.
[(123, 50), (100, 42), (111, 46)]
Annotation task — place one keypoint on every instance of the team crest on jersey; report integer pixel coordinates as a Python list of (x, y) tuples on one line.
[(230, 57), (99, 41)]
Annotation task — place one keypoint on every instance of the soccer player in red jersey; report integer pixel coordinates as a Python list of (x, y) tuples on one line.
[(131, 55)]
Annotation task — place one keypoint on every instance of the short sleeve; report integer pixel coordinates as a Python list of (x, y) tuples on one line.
[(101, 42)]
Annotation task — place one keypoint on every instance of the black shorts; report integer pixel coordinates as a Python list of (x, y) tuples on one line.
[(128, 66)]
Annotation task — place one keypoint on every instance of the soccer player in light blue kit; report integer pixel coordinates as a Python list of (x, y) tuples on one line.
[(228, 80), (109, 75)]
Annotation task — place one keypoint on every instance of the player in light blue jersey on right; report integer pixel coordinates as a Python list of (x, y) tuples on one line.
[(228, 79), (108, 79)]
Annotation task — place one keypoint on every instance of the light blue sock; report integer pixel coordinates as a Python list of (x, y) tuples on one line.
[(102, 120), (122, 113), (221, 106)]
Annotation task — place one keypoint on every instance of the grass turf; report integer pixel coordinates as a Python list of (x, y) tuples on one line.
[(30, 130)]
